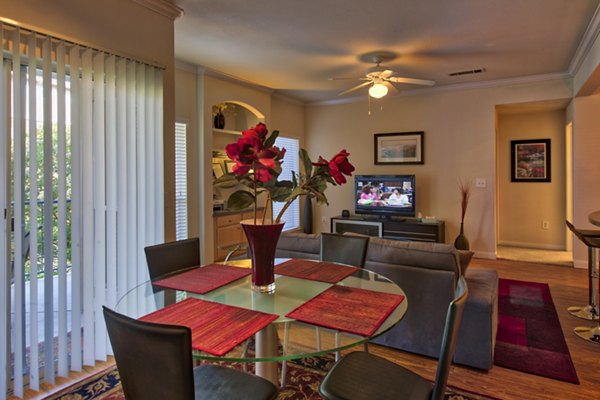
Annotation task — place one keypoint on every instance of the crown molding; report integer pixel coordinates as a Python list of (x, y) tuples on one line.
[(589, 37), (232, 79), (165, 8)]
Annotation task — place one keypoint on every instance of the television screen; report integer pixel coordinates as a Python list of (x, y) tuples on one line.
[(385, 195)]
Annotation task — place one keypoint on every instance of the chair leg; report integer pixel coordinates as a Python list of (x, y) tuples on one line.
[(245, 354), (284, 350)]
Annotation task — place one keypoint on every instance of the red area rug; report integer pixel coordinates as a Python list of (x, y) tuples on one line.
[(529, 337)]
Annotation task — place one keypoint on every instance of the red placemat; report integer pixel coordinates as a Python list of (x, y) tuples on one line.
[(348, 309), (216, 328), (204, 279), (314, 270)]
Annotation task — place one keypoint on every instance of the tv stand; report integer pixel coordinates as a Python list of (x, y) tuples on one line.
[(396, 228)]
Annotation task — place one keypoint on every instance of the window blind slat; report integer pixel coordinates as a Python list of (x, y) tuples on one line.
[(34, 376), (63, 366), (18, 268), (87, 222), (76, 212), (4, 229), (99, 192), (122, 212), (142, 272)]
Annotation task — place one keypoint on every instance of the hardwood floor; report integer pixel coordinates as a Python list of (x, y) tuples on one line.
[(568, 287)]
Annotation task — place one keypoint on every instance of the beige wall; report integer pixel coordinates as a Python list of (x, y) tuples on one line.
[(586, 167), (119, 26), (522, 206), (460, 143), (196, 94)]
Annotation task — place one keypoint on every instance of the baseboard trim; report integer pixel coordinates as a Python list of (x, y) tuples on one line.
[(533, 245)]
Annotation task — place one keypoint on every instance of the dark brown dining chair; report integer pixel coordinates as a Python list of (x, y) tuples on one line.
[(166, 258), (364, 376), (155, 362), (344, 249)]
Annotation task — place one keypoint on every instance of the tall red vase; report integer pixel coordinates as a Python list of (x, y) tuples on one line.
[(262, 242)]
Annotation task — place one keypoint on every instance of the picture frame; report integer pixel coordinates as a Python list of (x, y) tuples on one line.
[(217, 170), (229, 166), (399, 148), (530, 160)]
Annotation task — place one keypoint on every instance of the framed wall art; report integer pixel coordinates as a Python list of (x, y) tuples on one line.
[(530, 160), (399, 148)]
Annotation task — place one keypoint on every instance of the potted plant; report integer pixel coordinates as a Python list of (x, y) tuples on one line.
[(257, 168)]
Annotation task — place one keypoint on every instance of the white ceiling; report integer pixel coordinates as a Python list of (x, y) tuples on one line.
[(294, 46)]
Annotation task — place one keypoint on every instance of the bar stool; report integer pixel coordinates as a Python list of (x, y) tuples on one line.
[(591, 238), (591, 333)]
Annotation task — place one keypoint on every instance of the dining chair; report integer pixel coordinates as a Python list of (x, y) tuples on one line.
[(155, 362), (344, 249), (362, 376), (169, 257)]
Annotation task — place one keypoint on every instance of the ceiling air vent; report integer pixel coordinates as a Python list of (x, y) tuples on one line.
[(467, 72)]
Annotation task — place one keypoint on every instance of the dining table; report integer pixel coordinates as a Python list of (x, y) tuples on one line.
[(232, 323)]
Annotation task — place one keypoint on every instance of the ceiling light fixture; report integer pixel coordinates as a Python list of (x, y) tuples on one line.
[(378, 90)]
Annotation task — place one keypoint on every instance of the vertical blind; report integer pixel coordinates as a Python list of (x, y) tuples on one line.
[(81, 183), (291, 162), (181, 203)]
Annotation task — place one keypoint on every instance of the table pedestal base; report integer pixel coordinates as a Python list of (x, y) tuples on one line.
[(266, 346)]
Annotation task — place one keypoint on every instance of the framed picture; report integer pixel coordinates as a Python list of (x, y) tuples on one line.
[(530, 160), (229, 166), (399, 148), (217, 170)]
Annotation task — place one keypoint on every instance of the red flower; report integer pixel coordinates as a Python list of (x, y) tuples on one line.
[(340, 166)]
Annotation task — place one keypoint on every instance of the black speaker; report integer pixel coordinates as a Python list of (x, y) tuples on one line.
[(345, 213)]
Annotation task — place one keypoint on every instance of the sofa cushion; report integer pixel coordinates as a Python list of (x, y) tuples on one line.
[(428, 255)]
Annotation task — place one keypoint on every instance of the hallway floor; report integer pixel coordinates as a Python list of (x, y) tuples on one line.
[(555, 257)]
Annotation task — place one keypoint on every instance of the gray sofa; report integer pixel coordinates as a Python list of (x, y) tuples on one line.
[(428, 273)]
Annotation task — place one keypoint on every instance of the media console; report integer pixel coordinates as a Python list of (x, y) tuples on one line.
[(391, 228)]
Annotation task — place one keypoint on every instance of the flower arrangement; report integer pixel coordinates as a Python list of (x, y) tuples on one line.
[(258, 166)]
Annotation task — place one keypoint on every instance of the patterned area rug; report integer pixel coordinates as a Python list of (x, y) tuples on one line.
[(529, 337), (303, 379)]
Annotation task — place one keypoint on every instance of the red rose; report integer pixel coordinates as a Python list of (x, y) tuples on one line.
[(261, 130), (340, 166)]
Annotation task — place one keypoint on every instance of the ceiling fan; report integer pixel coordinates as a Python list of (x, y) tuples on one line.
[(381, 78)]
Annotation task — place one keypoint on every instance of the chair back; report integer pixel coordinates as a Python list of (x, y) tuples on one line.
[(344, 249), (172, 256), (154, 360), (453, 320)]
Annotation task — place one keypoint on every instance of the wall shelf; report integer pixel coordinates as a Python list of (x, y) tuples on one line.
[(227, 131)]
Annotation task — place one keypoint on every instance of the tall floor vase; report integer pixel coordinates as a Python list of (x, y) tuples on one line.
[(461, 242), (308, 216), (262, 242)]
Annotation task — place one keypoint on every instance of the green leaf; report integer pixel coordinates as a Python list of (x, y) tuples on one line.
[(294, 180), (240, 200), (270, 141), (281, 194), (226, 181), (306, 161)]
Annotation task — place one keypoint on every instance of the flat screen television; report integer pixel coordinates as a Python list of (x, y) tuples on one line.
[(385, 195)]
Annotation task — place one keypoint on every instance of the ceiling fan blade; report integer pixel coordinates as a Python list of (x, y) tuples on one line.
[(413, 81), (344, 79), (354, 88), (386, 74)]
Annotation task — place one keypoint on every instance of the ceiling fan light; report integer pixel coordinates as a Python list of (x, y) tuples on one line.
[(378, 90)]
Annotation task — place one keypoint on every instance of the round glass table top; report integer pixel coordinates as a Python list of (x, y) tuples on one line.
[(295, 339)]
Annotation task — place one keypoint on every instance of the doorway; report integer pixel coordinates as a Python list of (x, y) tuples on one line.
[(531, 213)]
